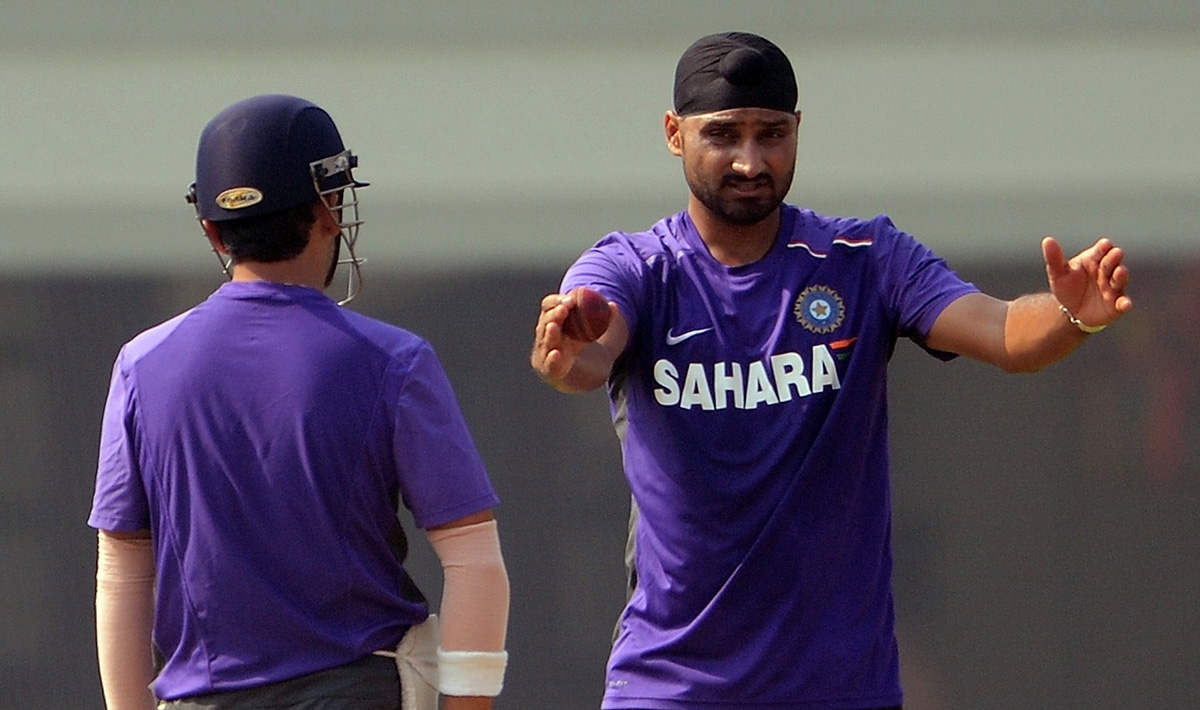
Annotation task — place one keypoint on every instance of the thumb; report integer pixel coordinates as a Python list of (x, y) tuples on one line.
[(1056, 261)]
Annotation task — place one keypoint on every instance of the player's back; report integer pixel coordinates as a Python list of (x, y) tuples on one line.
[(264, 444)]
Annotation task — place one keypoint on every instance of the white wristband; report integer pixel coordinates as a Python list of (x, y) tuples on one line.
[(471, 672), (1089, 329)]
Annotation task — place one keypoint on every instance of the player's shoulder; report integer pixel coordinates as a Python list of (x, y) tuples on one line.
[(822, 234), (393, 340), (628, 258), (147, 340), (399, 355), (663, 237)]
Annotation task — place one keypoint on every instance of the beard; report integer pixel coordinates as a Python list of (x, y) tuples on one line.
[(742, 211)]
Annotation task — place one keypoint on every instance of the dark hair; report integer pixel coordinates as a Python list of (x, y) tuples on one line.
[(276, 236)]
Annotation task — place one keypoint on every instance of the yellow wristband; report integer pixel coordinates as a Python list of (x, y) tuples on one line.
[(1089, 329)]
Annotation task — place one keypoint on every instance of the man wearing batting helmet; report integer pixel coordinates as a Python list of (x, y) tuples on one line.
[(253, 455), (746, 361)]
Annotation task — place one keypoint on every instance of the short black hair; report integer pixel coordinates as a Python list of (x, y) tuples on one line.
[(275, 236)]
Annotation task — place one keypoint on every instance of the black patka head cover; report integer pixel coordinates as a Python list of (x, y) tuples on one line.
[(733, 70)]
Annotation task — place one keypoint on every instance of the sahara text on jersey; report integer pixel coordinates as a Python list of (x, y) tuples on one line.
[(764, 382)]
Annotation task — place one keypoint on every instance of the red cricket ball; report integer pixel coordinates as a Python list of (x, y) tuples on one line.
[(589, 316)]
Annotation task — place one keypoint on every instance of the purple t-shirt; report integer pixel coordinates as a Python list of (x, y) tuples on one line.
[(266, 437), (751, 408)]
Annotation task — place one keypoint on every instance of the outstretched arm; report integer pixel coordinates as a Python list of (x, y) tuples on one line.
[(571, 365), (1030, 332)]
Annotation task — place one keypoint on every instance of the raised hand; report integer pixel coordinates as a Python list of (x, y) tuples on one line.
[(1090, 284)]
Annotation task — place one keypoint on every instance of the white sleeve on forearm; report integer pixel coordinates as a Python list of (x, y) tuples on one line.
[(474, 611), (124, 619)]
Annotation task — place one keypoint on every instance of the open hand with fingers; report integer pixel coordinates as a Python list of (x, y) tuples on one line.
[(1090, 285)]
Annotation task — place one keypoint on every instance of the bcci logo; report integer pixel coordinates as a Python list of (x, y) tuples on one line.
[(819, 309)]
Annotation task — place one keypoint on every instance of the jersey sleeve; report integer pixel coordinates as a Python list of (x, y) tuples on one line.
[(441, 474), (917, 283), (609, 267), (119, 503)]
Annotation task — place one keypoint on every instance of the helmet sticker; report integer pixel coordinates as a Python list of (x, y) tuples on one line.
[(235, 198)]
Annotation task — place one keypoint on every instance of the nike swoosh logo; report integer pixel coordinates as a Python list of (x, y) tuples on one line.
[(673, 339)]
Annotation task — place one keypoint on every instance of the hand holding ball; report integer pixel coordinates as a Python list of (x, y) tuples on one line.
[(589, 316)]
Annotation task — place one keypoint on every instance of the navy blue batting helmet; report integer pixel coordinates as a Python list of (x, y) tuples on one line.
[(268, 153)]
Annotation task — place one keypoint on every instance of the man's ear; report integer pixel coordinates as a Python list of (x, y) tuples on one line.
[(214, 236), (674, 133), (324, 218)]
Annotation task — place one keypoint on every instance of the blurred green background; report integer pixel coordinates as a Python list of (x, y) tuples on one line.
[(1046, 533)]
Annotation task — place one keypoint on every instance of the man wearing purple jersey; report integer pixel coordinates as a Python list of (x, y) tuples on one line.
[(746, 365), (254, 452)]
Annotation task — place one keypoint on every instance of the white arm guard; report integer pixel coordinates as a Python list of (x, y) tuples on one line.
[(474, 611), (124, 619)]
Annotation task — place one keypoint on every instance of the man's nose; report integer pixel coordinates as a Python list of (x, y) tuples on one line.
[(748, 161)]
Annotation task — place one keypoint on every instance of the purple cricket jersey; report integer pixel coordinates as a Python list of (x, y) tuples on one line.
[(266, 438), (751, 405)]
